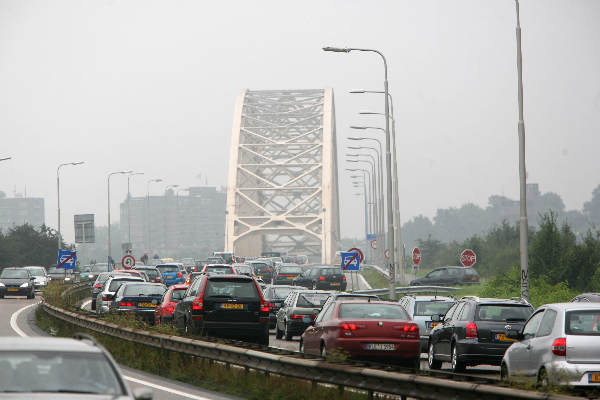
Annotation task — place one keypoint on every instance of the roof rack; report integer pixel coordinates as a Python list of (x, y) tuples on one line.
[(84, 336)]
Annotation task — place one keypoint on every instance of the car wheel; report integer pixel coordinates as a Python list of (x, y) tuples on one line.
[(431, 361), (457, 366), (287, 334), (503, 372), (278, 333), (543, 378)]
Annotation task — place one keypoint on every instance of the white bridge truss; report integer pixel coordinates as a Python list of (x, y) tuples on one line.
[(282, 192)]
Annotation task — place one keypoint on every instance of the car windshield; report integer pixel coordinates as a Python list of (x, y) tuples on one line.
[(372, 310), (14, 274), (143, 290), (290, 270), (231, 288), (116, 283), (280, 292), (583, 322), (58, 371), (219, 269), (312, 299), (502, 312), (330, 271), (167, 268), (432, 307), (177, 294), (36, 272)]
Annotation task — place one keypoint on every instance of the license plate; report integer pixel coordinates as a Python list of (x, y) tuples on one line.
[(147, 305), (13, 289), (594, 377), (501, 337), (380, 346), (335, 284), (432, 324), (232, 306)]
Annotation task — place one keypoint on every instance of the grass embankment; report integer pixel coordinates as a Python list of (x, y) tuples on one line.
[(375, 278)]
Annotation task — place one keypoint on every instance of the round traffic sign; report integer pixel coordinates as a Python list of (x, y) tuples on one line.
[(373, 244), (128, 261), (360, 253), (387, 253), (416, 256), (468, 258)]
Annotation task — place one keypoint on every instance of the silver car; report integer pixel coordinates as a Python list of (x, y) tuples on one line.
[(109, 287), (421, 308), (559, 344), (40, 276)]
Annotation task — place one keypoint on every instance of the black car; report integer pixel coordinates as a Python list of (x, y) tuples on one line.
[(275, 294), (297, 312), (139, 297), (16, 282), (322, 277), (587, 298), (286, 273), (153, 273), (262, 270), (473, 331), (448, 276), (225, 306)]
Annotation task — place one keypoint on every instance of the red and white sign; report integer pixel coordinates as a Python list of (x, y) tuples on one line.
[(374, 244), (416, 256), (468, 258), (128, 261), (360, 253)]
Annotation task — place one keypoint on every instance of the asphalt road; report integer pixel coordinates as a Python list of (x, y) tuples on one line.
[(18, 319)]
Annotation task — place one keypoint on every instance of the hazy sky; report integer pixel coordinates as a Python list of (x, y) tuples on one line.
[(150, 86)]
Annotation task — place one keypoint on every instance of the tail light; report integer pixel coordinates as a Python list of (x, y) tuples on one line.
[(105, 298), (471, 330), (343, 277), (157, 279), (170, 309), (179, 274), (267, 269), (98, 285), (349, 327), (321, 278), (125, 304), (265, 307), (559, 346), (296, 316), (197, 304)]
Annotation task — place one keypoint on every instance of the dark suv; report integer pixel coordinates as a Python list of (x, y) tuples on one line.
[(473, 331), (448, 276), (262, 270), (225, 306), (322, 277)]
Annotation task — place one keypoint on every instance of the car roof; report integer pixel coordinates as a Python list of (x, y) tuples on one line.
[(573, 306), (430, 297), (491, 301), (342, 301), (127, 277), (285, 286), (178, 287), (145, 267), (15, 343), (289, 265), (315, 291), (33, 267), (230, 276), (218, 265), (176, 264)]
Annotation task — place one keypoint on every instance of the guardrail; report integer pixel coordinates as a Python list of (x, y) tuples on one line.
[(315, 370), (410, 289)]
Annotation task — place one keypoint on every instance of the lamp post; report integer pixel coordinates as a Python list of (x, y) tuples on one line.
[(371, 194), (166, 236), (5, 158), (58, 193), (148, 211), (129, 207), (108, 185)]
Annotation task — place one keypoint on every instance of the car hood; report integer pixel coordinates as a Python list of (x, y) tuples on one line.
[(12, 281)]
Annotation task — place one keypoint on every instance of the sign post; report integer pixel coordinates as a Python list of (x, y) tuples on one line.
[(468, 258), (128, 261)]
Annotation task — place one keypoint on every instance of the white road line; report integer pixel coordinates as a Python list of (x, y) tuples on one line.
[(19, 331), (364, 282)]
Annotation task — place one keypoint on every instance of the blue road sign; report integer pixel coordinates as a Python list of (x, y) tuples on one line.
[(66, 259), (350, 261), (371, 236)]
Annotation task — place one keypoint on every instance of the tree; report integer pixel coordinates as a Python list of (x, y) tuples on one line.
[(592, 208), (24, 245)]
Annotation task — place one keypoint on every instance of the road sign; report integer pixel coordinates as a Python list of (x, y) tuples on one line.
[(84, 228), (386, 253), (468, 258), (416, 256), (373, 244), (371, 236), (66, 259), (360, 253), (350, 261), (128, 261)]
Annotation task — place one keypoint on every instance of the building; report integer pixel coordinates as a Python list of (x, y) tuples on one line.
[(16, 211), (175, 225)]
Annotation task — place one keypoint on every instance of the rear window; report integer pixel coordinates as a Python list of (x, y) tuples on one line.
[(36, 272), (219, 269), (428, 308), (290, 270), (583, 323), (260, 267), (167, 268), (372, 310), (177, 295), (330, 271), (231, 288), (143, 290), (14, 274), (281, 293), (311, 299), (502, 312), (115, 284)]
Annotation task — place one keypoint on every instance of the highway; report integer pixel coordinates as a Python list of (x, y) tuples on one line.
[(18, 316)]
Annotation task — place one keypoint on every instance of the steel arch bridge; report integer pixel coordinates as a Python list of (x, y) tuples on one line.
[(282, 191)]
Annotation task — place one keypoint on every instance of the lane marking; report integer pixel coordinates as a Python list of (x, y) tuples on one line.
[(20, 332), (364, 282)]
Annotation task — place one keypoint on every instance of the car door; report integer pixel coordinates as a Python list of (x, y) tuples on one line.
[(519, 352), (182, 309), (541, 344), (445, 331), (312, 335), (433, 278)]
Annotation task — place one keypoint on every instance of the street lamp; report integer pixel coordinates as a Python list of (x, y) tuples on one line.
[(129, 207), (148, 210), (367, 178), (108, 185), (6, 158), (388, 162), (58, 193)]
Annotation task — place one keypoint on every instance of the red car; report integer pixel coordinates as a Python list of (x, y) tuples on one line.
[(163, 314), (377, 330)]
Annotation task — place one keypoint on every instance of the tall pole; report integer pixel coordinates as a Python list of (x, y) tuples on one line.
[(148, 217), (522, 171), (109, 258), (58, 197), (129, 206)]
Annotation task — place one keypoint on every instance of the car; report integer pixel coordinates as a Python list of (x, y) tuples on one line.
[(61, 368), (263, 270), (40, 276), (153, 273), (297, 312), (132, 272), (16, 282), (193, 276), (227, 256), (420, 309), (218, 269), (472, 332), (243, 269), (587, 298), (226, 306), (163, 314), (172, 273), (138, 297), (350, 297), (323, 277), (559, 345), (448, 276), (61, 274), (109, 287), (91, 271), (285, 274), (375, 330), (275, 295), (97, 287)]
